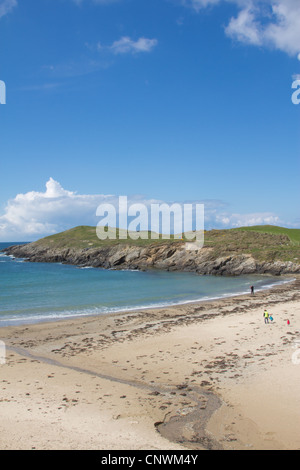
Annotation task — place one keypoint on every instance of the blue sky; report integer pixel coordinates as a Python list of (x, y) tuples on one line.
[(169, 100)]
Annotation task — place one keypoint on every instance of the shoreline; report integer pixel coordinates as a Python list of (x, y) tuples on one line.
[(181, 377), (173, 256), (283, 279)]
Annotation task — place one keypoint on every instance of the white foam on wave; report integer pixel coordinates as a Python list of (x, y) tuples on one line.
[(7, 320)]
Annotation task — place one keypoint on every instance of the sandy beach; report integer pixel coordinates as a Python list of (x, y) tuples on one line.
[(209, 375)]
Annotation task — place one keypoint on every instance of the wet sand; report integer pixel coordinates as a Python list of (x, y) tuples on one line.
[(208, 375)]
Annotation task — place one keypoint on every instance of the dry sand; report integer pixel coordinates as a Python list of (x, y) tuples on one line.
[(200, 376)]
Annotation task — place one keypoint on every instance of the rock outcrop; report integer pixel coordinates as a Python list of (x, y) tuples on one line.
[(171, 257)]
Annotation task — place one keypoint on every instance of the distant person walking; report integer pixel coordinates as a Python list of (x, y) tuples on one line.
[(266, 316), (252, 289)]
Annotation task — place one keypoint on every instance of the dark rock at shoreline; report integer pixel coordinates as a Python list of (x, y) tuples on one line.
[(170, 257)]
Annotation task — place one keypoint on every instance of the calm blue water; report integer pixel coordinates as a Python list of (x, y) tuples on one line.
[(35, 292)]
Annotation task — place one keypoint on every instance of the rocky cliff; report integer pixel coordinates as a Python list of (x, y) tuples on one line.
[(171, 257)]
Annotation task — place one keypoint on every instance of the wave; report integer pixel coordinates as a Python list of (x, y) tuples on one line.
[(10, 320)]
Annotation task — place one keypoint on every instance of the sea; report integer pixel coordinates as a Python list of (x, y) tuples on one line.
[(39, 292)]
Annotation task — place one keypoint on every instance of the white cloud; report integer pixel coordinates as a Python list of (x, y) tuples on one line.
[(97, 2), (271, 23), (268, 23), (246, 220), (6, 6), (126, 45), (34, 214), (37, 214), (103, 2), (284, 32), (199, 4), (245, 27)]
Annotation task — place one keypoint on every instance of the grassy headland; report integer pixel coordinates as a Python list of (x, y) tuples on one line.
[(264, 243)]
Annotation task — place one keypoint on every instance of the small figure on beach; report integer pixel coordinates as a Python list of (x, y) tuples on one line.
[(266, 315), (288, 323), (252, 289)]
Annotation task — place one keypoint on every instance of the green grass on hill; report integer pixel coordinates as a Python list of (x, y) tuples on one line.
[(86, 237), (264, 243), (292, 233)]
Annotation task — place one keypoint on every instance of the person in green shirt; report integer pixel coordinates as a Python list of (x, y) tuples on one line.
[(266, 316)]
